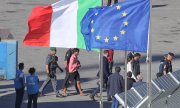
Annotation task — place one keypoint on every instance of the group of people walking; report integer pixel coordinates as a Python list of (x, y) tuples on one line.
[(113, 82)]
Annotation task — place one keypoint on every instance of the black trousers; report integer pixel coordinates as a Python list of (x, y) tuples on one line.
[(110, 67), (32, 98), (109, 2), (66, 82), (19, 97)]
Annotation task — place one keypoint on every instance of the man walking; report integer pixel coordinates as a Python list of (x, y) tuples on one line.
[(115, 85), (106, 74), (67, 59), (51, 65), (73, 67)]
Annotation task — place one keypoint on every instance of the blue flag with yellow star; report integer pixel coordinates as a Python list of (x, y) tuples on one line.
[(123, 26)]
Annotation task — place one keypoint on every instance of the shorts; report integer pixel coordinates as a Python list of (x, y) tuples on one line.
[(74, 76)]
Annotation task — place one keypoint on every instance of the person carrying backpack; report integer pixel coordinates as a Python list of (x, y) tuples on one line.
[(32, 82), (19, 84)]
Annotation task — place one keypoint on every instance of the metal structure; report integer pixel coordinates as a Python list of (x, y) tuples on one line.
[(161, 88)]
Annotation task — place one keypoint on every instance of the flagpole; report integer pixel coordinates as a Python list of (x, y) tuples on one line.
[(125, 77), (101, 78), (101, 75), (149, 60)]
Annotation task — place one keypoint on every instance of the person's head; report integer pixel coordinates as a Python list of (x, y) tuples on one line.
[(53, 50), (139, 78), (106, 53), (137, 56), (32, 70), (170, 56), (117, 69), (129, 74), (21, 66), (76, 51)]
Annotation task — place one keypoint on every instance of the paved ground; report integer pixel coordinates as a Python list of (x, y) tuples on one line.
[(13, 15)]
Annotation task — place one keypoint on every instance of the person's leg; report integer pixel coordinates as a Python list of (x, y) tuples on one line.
[(77, 80), (65, 80), (96, 91), (54, 84), (109, 3), (35, 97), (113, 103), (116, 103), (65, 84), (17, 105), (21, 96), (44, 84), (77, 90), (29, 101), (110, 66)]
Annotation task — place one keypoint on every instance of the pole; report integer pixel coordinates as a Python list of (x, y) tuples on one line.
[(101, 75), (149, 60), (125, 77), (101, 78)]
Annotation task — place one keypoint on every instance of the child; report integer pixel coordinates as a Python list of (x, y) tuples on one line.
[(19, 85), (32, 88)]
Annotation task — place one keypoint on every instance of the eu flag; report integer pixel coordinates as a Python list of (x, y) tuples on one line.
[(123, 26)]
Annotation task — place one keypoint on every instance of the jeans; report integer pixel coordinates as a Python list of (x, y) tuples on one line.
[(54, 84), (32, 97), (19, 97), (115, 103)]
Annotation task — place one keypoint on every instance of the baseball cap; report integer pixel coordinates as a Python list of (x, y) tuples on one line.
[(53, 48)]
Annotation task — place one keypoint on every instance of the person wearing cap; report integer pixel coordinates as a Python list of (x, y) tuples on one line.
[(50, 60), (165, 64)]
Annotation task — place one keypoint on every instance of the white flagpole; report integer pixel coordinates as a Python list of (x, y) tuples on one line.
[(125, 77), (101, 78), (149, 60)]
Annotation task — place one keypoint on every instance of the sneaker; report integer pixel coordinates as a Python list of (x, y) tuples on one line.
[(92, 98), (59, 96)]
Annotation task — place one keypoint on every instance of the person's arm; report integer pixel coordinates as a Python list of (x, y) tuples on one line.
[(59, 68), (48, 60)]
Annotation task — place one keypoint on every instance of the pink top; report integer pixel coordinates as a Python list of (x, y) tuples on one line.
[(73, 64)]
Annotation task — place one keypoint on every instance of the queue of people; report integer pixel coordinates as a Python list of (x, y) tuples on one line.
[(113, 82)]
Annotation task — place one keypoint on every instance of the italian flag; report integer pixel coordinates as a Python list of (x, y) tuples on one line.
[(58, 25)]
